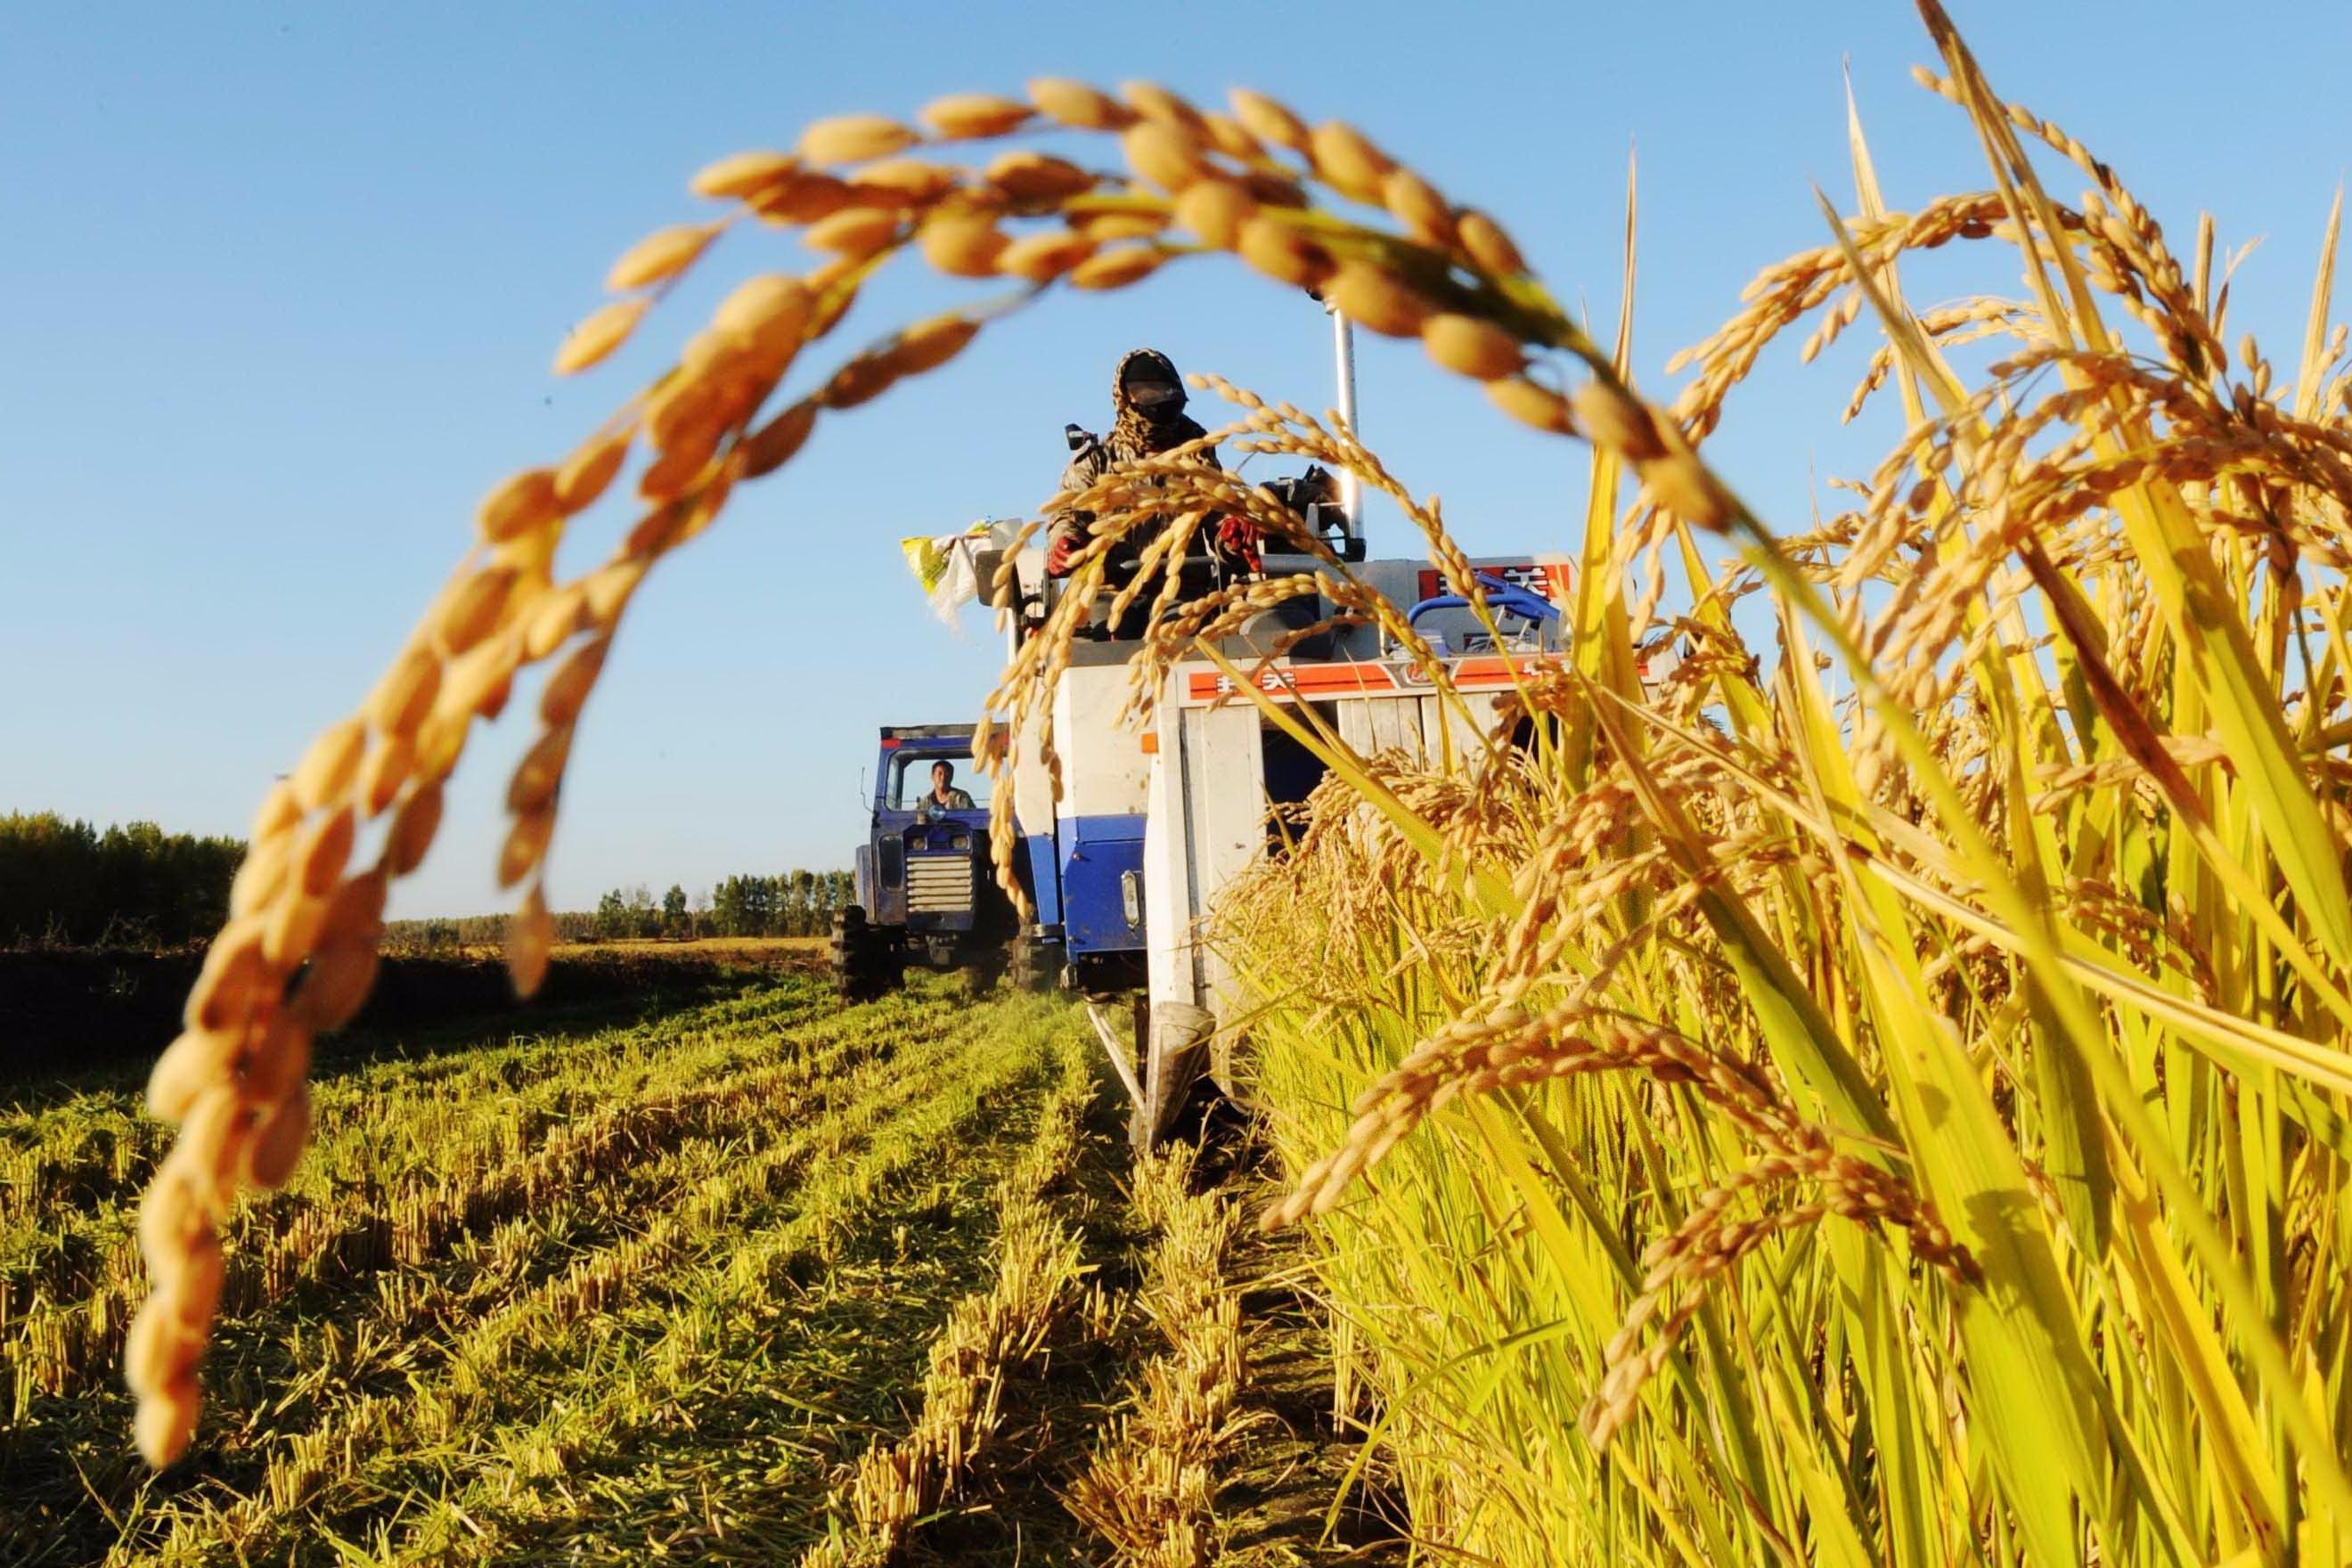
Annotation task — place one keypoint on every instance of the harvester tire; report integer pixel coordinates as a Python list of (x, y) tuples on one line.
[(1034, 966), (980, 977)]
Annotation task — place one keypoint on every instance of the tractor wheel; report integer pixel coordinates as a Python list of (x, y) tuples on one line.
[(864, 960)]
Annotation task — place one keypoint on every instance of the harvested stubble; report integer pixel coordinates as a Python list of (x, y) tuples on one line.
[(989, 1337), (2026, 970), (714, 1156), (541, 1373), (1149, 1491)]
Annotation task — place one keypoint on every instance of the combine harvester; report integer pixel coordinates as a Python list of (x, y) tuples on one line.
[(1159, 814)]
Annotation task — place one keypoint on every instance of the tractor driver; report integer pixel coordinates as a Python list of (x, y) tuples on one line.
[(944, 796), (1148, 417)]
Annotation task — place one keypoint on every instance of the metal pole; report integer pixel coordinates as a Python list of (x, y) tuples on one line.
[(1343, 350)]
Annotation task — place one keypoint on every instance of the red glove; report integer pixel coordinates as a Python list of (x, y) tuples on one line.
[(1238, 537), (1057, 557)]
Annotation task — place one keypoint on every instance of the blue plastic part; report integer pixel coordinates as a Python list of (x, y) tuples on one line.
[(1099, 853), (1504, 598), (1044, 886)]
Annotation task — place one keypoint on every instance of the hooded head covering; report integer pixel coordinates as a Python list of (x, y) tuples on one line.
[(1154, 426)]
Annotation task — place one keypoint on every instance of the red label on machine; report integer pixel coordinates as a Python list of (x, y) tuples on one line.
[(1551, 579), (1295, 680), (1289, 682)]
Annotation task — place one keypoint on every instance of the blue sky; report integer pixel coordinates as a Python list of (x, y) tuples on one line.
[(282, 283)]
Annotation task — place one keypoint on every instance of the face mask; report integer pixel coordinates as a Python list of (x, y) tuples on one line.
[(1156, 400)]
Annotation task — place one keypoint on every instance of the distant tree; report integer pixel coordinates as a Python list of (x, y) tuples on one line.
[(132, 885), (611, 916), (673, 911)]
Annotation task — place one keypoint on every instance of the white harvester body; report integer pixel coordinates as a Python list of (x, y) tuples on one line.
[(1169, 804)]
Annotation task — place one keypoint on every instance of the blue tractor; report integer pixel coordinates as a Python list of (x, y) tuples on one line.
[(925, 889)]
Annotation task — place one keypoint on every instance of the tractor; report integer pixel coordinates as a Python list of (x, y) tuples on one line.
[(925, 891)]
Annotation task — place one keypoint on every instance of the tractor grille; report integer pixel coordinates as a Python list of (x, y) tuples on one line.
[(938, 884)]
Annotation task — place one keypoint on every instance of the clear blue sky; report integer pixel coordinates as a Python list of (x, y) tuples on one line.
[(281, 284)]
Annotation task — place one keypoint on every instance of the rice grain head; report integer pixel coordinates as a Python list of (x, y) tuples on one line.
[(854, 139), (660, 255), (970, 116), (1079, 106), (744, 176), (603, 330), (1470, 346)]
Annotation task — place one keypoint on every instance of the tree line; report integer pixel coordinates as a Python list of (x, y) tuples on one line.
[(68, 884), (790, 903)]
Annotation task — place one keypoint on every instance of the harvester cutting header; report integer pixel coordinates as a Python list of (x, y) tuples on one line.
[(1184, 647)]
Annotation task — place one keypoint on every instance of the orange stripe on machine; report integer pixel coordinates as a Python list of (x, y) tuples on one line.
[(1286, 682)]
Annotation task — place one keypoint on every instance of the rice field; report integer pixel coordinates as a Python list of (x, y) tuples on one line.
[(699, 1285), (1874, 1093)]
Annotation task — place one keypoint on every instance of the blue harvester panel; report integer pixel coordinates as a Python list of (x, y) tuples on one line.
[(1101, 853)]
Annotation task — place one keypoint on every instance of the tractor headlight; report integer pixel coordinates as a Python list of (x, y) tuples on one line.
[(960, 841)]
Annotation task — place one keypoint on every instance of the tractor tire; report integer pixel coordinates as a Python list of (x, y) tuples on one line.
[(865, 963)]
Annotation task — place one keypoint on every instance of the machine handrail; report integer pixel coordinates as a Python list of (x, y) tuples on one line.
[(1505, 598)]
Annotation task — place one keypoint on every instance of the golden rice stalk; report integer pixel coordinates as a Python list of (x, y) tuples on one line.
[(1026, 177), (771, 446), (963, 245), (660, 255), (279, 810), (903, 182), (1488, 246), (854, 138), (969, 116), (604, 330), (855, 233), (803, 197), (1537, 407), (1105, 228), (1118, 267), (325, 773), (472, 609), (770, 314), (526, 845), (1469, 346), (1416, 204), (1366, 292), (927, 345), (1281, 252), (744, 174), (1232, 138), (1163, 155), (1157, 103), (1041, 258), (527, 500), (413, 829), (530, 937), (586, 474), (1078, 106), (1216, 210), (1269, 120), (389, 762), (278, 1141), (1347, 161)]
